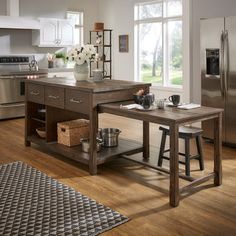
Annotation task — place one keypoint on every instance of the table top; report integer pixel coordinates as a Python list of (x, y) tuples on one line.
[(165, 116), (90, 86)]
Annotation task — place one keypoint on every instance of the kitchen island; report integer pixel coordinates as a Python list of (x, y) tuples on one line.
[(65, 99)]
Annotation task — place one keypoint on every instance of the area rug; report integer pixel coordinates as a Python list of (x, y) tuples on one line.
[(32, 203)]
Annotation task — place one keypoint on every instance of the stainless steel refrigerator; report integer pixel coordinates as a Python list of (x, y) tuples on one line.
[(218, 73)]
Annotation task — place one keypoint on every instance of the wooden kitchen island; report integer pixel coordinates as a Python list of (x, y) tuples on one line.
[(65, 99)]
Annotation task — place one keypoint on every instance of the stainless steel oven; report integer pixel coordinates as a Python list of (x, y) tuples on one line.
[(13, 71)]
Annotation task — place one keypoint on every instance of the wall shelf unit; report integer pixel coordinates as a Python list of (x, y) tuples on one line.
[(102, 40)]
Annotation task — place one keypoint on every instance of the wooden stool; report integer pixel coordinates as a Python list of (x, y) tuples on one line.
[(185, 133)]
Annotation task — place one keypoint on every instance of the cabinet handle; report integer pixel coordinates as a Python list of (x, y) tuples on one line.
[(76, 101), (59, 41), (53, 97), (34, 93), (56, 41)]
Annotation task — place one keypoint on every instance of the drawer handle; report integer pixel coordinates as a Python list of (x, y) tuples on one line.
[(53, 97), (34, 93), (76, 101)]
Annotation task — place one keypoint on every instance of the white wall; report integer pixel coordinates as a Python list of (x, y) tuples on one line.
[(119, 16), (3, 7), (204, 9)]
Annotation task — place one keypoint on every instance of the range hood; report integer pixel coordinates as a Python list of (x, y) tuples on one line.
[(14, 21)]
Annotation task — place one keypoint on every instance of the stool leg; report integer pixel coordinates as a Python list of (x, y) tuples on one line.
[(187, 156), (199, 149), (162, 149)]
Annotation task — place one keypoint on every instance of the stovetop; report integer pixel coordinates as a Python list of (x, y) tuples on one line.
[(18, 65), (15, 59)]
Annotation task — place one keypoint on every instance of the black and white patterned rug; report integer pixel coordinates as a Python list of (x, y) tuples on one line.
[(32, 203)]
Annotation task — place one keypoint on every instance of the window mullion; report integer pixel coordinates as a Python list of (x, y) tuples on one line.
[(166, 56)]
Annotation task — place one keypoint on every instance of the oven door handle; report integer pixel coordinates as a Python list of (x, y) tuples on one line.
[(7, 77), (19, 104)]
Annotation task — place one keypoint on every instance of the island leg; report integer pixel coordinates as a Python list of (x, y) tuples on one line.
[(146, 151), (218, 150), (27, 125), (93, 142), (174, 165)]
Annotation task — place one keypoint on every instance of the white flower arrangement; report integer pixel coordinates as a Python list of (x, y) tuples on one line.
[(83, 54)]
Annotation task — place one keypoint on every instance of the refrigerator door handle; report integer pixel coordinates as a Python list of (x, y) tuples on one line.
[(226, 60), (222, 73)]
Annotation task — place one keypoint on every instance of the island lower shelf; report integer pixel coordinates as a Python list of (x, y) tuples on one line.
[(125, 147)]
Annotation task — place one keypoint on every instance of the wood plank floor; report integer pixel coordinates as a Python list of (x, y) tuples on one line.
[(135, 191)]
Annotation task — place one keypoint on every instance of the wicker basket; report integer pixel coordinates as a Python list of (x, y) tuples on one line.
[(69, 133)]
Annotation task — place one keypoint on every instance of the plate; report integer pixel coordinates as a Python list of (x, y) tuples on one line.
[(172, 105), (151, 108)]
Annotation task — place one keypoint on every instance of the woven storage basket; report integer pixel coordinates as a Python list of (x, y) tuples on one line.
[(69, 133)]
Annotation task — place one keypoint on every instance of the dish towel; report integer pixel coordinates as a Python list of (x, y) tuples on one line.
[(189, 106)]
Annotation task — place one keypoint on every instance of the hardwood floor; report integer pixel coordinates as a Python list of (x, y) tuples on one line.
[(137, 192)]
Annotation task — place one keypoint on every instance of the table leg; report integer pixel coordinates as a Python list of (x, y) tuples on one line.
[(174, 165), (218, 150), (146, 151), (27, 124), (93, 125)]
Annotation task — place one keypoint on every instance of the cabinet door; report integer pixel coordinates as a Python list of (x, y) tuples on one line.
[(66, 29), (48, 32)]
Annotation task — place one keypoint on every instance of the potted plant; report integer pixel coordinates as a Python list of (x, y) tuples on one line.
[(60, 59)]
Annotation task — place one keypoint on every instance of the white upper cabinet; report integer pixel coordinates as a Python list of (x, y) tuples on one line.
[(48, 32), (54, 33), (66, 30)]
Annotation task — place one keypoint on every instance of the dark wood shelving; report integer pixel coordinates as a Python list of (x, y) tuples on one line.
[(104, 49), (125, 147), (98, 45), (38, 120)]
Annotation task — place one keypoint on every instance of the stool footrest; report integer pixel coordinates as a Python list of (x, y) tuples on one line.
[(167, 158)]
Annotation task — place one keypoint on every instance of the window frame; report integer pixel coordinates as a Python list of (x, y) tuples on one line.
[(80, 26), (164, 19)]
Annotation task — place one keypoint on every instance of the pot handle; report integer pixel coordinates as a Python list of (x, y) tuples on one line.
[(99, 134)]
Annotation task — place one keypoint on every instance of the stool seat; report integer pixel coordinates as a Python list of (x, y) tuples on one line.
[(186, 133)]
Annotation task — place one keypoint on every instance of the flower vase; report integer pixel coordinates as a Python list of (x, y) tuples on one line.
[(81, 72)]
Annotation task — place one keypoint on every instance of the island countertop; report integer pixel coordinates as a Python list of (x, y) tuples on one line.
[(89, 85)]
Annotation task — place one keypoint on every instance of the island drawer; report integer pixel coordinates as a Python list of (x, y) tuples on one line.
[(55, 97), (77, 101), (35, 93)]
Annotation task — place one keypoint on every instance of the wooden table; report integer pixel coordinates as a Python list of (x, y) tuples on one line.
[(174, 117)]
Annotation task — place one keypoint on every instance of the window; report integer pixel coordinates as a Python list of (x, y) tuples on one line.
[(158, 42), (78, 17)]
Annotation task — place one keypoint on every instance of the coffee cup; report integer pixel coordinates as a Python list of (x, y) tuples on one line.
[(148, 100), (175, 99), (98, 75)]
